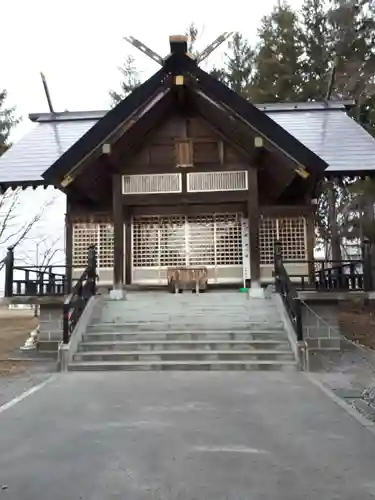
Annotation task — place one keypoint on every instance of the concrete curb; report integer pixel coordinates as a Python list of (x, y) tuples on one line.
[(66, 351), (350, 410)]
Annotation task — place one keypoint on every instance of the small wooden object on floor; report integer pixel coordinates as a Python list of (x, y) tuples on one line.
[(187, 278)]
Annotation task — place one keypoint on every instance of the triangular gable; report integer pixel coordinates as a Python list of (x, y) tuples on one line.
[(183, 65), (256, 119), (105, 127)]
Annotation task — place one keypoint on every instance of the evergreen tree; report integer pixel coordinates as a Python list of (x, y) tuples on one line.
[(238, 67), (129, 81), (278, 70), (7, 122), (317, 60)]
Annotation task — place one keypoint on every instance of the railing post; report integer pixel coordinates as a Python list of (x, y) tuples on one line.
[(9, 271), (367, 265), (298, 313), (277, 263), (66, 333), (91, 268)]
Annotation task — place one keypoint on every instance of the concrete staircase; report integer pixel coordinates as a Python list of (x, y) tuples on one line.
[(160, 331)]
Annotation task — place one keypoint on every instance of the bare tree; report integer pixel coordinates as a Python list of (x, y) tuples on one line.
[(14, 226), (43, 252)]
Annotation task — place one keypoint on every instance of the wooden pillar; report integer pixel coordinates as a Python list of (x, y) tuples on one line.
[(128, 244), (118, 235), (253, 215), (68, 248)]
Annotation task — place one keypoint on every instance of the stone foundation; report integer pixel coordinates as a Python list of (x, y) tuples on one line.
[(50, 327)]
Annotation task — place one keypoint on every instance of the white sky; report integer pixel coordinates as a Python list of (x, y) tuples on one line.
[(78, 44)]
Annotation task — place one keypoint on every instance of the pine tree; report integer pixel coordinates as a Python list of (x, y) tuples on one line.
[(278, 71), (317, 59), (7, 122), (238, 66), (129, 81)]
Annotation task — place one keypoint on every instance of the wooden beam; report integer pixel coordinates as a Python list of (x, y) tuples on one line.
[(185, 198), (118, 233), (198, 209)]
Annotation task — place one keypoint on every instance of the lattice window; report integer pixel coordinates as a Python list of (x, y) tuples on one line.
[(228, 240), (290, 231), (100, 235), (267, 236), (201, 241), (146, 242), (217, 181), (172, 241), (206, 240), (151, 183)]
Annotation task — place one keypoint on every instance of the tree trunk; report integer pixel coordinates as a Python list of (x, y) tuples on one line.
[(332, 222)]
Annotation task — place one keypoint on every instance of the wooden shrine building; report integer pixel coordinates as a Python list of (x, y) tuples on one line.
[(185, 172)]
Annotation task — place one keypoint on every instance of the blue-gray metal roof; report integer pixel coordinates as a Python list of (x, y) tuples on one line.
[(28, 158), (325, 129)]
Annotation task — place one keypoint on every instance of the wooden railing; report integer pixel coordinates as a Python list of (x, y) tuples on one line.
[(77, 300), (33, 281), (286, 288)]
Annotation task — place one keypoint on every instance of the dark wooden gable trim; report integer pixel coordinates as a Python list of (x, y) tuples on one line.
[(104, 127), (256, 118)]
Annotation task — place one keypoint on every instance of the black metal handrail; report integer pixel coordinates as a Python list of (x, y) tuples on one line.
[(345, 275), (34, 281), (77, 300), (286, 288)]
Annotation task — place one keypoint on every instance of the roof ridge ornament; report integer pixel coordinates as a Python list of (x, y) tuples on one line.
[(179, 44)]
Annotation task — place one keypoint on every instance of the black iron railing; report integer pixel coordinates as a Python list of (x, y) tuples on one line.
[(33, 281), (286, 288), (332, 275), (345, 275), (77, 300)]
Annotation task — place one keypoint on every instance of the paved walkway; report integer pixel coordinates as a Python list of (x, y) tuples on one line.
[(183, 436)]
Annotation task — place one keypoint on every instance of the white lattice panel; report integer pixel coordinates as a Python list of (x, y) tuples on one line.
[(228, 240), (151, 183), (217, 181), (290, 231), (267, 237), (172, 251), (292, 235), (206, 240), (87, 234), (201, 240), (146, 242)]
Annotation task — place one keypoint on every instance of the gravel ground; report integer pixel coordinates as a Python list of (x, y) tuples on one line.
[(18, 372), (348, 374)]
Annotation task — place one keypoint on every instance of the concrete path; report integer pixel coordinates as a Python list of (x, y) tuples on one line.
[(183, 436)]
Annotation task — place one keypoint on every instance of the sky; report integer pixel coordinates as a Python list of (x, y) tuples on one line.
[(78, 45)]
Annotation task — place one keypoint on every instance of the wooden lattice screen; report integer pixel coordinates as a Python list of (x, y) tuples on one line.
[(98, 234), (290, 231)]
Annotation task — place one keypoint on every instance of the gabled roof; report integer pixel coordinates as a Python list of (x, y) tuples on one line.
[(320, 126), (182, 64), (309, 133)]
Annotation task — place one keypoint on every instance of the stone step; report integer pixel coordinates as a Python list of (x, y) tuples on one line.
[(199, 326), (174, 345), (184, 335), (183, 365), (185, 355)]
